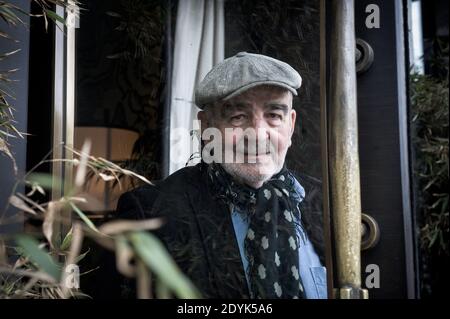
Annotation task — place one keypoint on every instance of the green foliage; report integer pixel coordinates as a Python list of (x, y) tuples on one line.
[(38, 271), (13, 16), (155, 256), (128, 239), (429, 97), (40, 257)]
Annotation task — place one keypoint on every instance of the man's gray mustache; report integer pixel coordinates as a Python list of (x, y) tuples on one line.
[(264, 151), (255, 148)]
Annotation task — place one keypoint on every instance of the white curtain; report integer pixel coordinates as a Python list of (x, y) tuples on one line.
[(198, 46)]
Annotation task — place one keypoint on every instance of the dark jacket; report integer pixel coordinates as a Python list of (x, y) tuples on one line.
[(198, 230)]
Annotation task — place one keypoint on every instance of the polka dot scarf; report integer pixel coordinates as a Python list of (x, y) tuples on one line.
[(271, 243)]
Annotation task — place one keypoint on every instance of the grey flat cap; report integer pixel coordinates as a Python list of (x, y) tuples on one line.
[(242, 72)]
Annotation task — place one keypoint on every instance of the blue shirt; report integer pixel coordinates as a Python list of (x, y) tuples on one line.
[(312, 273)]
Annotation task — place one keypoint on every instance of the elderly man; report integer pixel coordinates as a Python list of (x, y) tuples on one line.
[(233, 222)]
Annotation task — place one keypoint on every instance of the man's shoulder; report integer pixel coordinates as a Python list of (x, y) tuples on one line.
[(177, 181), (137, 203), (184, 178)]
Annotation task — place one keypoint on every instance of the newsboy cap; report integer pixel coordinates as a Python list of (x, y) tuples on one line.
[(242, 72)]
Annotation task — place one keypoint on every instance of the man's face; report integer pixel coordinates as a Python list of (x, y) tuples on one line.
[(256, 128)]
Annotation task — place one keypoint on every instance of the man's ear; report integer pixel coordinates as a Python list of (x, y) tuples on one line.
[(293, 118)]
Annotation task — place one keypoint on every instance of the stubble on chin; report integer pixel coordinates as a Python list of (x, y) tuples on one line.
[(249, 174)]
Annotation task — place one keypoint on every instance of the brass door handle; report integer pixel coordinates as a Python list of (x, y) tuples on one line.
[(370, 232)]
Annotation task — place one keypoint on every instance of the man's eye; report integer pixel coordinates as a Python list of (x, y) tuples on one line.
[(239, 117), (275, 116)]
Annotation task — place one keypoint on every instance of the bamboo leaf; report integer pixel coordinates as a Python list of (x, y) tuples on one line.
[(47, 225), (156, 257), (124, 256), (87, 221), (161, 290), (54, 16), (80, 176), (40, 257), (4, 55), (67, 240), (5, 149), (81, 257), (106, 177), (19, 203), (122, 226), (42, 179)]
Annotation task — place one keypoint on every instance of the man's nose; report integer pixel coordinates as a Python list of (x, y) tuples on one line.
[(261, 127)]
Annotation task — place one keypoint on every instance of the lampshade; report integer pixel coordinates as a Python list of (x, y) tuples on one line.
[(113, 144)]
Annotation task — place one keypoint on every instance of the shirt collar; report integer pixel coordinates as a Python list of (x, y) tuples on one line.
[(299, 190)]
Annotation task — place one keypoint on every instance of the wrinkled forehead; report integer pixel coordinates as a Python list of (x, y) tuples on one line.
[(260, 95)]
